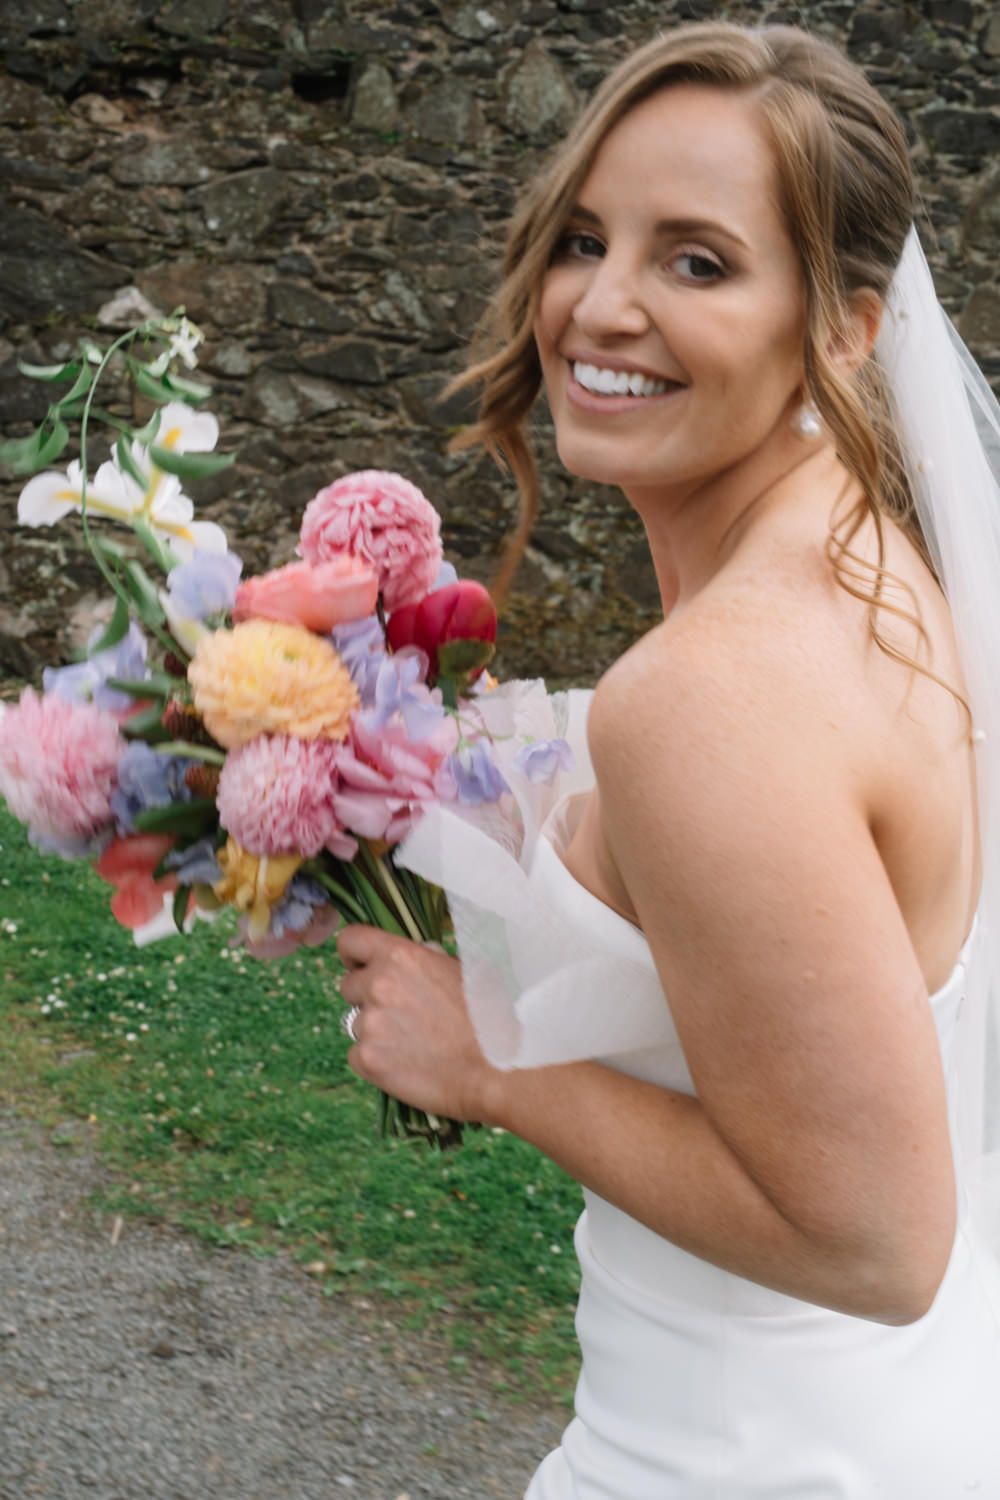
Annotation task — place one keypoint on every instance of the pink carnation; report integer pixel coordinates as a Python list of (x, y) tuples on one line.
[(383, 519), (386, 778), (276, 797), (58, 766)]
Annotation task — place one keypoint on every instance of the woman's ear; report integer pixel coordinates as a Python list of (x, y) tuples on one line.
[(855, 340)]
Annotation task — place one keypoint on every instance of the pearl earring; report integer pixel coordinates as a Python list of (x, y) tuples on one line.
[(806, 421)]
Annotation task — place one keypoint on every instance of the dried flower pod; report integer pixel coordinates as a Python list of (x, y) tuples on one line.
[(182, 723), (203, 781)]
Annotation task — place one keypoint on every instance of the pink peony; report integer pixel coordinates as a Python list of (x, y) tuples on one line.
[(58, 766), (276, 796), (316, 595), (383, 519), (385, 777)]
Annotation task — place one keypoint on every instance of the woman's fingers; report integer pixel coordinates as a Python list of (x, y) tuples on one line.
[(358, 944)]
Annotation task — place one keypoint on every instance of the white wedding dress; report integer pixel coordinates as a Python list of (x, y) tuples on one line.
[(697, 1384)]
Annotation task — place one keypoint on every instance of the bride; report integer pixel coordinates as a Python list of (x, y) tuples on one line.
[(785, 1292)]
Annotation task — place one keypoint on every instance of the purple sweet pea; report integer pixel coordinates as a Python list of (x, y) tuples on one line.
[(360, 644), (476, 776), (206, 585), (541, 760), (295, 910), (400, 688), (146, 779), (86, 681), (446, 575), (195, 865)]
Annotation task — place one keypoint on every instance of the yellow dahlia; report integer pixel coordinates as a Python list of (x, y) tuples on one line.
[(265, 678), (253, 885)]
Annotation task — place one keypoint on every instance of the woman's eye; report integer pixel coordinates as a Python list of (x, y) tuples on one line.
[(577, 243), (701, 267)]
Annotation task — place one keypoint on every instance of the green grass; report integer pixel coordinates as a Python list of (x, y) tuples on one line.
[(219, 1092)]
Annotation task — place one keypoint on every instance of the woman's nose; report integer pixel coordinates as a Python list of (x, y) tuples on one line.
[(612, 301)]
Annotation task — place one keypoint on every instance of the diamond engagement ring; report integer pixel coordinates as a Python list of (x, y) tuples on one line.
[(348, 1019)]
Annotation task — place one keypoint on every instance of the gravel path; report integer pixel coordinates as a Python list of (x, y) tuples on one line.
[(158, 1369)]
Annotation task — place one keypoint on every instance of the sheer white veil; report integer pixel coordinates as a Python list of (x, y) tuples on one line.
[(948, 423)]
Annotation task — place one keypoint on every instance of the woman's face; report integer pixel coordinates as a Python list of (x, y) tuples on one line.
[(671, 323)]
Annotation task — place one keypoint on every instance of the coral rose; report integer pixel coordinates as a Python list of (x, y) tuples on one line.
[(58, 768), (315, 595), (276, 797), (265, 678), (383, 519)]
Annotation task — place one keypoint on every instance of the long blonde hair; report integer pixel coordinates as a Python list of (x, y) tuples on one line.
[(847, 194)]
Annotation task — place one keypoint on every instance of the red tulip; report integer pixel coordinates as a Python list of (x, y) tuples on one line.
[(455, 626)]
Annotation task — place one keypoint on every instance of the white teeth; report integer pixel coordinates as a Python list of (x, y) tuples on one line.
[(606, 382)]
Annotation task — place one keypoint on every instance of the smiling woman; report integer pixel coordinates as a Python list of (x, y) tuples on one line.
[(742, 946)]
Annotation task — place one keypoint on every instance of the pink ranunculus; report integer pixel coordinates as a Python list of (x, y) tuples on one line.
[(383, 519), (276, 796), (58, 766), (385, 778), (317, 595)]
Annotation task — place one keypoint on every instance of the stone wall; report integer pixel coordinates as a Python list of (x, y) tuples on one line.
[(323, 185)]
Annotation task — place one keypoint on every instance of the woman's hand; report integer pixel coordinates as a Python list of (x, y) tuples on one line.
[(413, 1036)]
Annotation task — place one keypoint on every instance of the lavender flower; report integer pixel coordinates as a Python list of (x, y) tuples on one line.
[(446, 575), (295, 910), (475, 774), (206, 585), (400, 688), (195, 865), (541, 760), (86, 681), (360, 644), (146, 779)]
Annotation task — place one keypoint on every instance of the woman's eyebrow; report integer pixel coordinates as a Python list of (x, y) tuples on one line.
[(665, 226)]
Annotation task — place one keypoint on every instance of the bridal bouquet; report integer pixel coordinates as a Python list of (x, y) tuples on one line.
[(261, 743)]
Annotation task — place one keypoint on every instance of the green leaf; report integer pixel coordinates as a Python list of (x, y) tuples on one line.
[(123, 453), (148, 385), (457, 658), (180, 906), (80, 384), (111, 552), (145, 725), (203, 753), (190, 390), (161, 552), (196, 816), (156, 685), (21, 454), (190, 465), (53, 445), (51, 373), (116, 631), (145, 435), (144, 595)]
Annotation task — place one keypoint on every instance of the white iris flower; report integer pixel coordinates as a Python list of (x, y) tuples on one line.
[(114, 494)]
